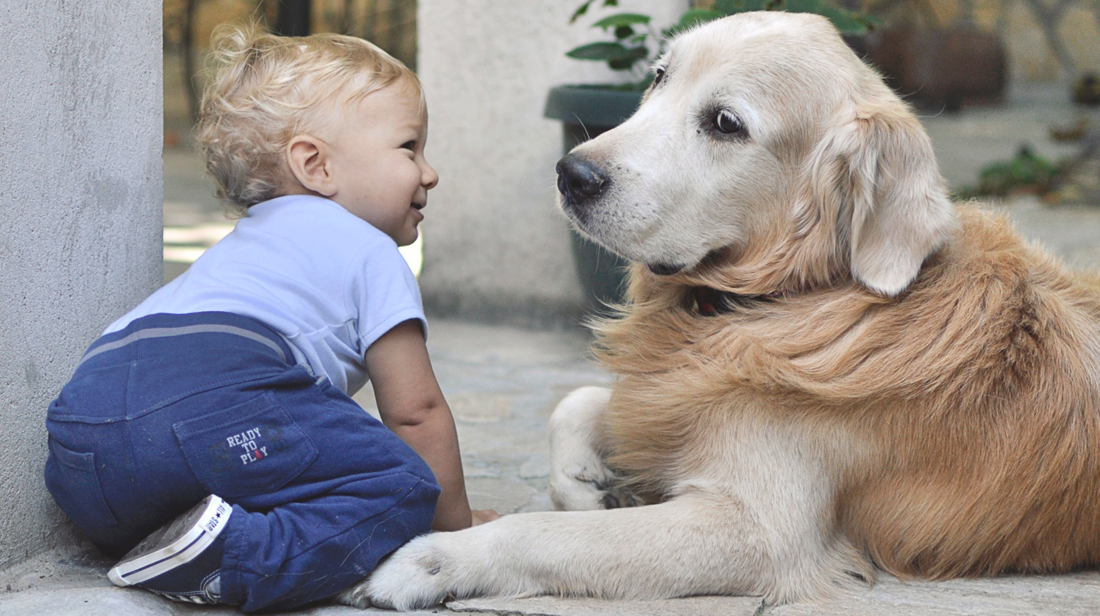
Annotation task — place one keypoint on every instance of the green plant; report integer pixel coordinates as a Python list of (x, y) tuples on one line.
[(637, 42), (1027, 172)]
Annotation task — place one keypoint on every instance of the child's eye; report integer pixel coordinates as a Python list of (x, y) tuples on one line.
[(408, 145)]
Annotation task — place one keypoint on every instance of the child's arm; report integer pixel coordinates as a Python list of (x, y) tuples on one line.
[(412, 406)]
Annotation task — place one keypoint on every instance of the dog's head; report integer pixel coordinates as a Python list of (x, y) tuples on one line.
[(766, 149)]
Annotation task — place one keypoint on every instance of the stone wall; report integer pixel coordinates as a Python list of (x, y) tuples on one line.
[(80, 217), (495, 246)]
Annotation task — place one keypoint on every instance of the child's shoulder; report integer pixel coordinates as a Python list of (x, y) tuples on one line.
[(310, 220)]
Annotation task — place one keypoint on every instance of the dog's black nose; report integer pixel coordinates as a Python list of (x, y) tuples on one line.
[(579, 180)]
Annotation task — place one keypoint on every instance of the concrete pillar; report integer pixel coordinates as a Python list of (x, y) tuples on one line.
[(495, 246), (80, 217)]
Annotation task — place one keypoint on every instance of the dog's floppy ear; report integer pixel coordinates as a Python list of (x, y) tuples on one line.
[(881, 175)]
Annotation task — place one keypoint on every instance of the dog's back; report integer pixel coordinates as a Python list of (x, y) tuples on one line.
[(989, 460)]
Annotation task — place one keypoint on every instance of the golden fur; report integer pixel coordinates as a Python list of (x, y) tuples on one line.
[(975, 395)]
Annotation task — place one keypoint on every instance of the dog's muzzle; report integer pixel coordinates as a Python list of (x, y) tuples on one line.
[(580, 182)]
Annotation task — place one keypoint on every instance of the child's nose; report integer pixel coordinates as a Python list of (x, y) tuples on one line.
[(429, 178)]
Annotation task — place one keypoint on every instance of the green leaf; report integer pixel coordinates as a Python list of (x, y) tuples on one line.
[(803, 6), (691, 18), (622, 32), (621, 19), (843, 20), (622, 64), (732, 7), (1026, 171), (626, 64), (697, 16), (606, 52), (846, 21), (581, 10)]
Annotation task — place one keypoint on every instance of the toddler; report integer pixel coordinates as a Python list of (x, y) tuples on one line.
[(209, 435)]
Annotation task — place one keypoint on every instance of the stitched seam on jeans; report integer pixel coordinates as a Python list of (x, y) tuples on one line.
[(183, 330), (90, 419)]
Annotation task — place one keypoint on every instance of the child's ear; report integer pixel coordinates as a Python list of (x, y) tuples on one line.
[(309, 161)]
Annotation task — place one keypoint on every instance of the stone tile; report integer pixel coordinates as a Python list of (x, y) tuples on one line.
[(503, 495), (1070, 231), (557, 606), (1067, 595), (477, 407)]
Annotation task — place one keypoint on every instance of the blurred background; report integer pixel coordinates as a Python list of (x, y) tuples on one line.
[(1007, 89)]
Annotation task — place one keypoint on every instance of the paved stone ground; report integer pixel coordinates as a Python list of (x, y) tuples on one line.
[(965, 142), (502, 384)]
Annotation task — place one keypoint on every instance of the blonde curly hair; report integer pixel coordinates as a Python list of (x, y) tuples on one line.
[(265, 89)]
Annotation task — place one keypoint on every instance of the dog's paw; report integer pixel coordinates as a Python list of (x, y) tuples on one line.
[(616, 495), (579, 487), (579, 479), (356, 596), (417, 576), (588, 486)]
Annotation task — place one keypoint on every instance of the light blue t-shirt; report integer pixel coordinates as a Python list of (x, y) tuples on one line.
[(325, 279)]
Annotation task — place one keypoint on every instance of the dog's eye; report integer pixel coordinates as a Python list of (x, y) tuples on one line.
[(727, 123), (659, 74)]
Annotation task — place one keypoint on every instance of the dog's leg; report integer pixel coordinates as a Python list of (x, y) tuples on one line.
[(701, 542), (579, 478)]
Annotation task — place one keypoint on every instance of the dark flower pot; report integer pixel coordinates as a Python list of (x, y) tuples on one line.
[(585, 112), (941, 69)]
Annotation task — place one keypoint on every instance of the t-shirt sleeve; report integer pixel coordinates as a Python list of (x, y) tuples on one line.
[(384, 293)]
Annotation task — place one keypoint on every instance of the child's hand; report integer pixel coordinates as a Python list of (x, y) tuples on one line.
[(482, 516)]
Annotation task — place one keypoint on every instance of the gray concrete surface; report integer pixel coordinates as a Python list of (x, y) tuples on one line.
[(502, 384), (967, 141), (495, 248), (1071, 595), (80, 194)]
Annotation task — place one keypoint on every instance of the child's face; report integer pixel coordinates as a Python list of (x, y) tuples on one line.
[(378, 160)]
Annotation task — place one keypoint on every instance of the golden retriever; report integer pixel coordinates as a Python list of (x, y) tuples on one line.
[(824, 366)]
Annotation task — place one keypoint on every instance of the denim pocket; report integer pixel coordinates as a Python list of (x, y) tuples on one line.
[(72, 480), (247, 449)]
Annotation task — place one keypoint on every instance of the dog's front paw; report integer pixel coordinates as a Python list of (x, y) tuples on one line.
[(579, 478), (356, 596), (589, 487), (616, 495), (417, 576), (581, 487)]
